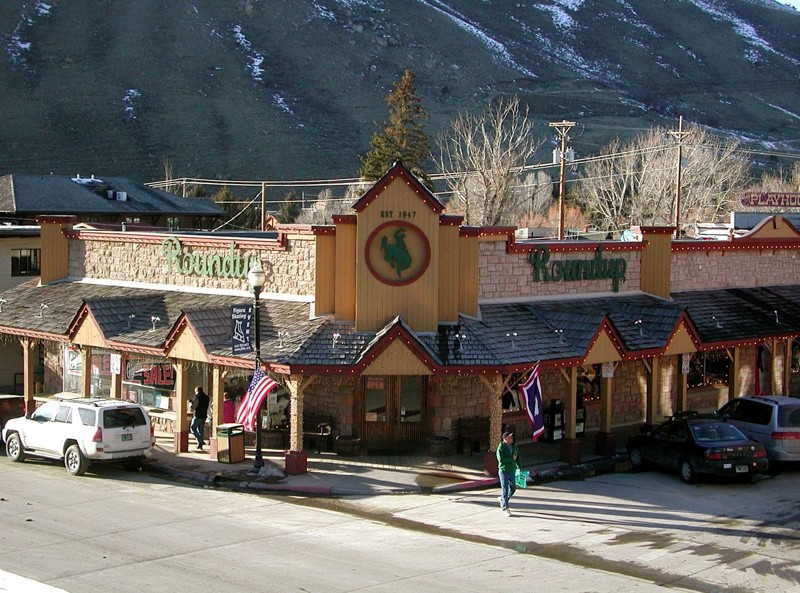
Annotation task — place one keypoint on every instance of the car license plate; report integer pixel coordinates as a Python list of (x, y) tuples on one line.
[(129, 437), (741, 469)]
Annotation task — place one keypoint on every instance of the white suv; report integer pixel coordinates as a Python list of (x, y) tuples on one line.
[(82, 431)]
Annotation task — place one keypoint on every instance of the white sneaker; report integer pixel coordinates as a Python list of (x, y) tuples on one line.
[(506, 512), (500, 500)]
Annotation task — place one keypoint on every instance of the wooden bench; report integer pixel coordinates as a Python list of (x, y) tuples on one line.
[(473, 431), (316, 429)]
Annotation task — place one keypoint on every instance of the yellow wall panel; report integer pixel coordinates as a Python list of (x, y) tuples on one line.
[(379, 298), (187, 347), (657, 264), (681, 343), (89, 333), (468, 275), (602, 351), (325, 296), (345, 258), (448, 274), (397, 360)]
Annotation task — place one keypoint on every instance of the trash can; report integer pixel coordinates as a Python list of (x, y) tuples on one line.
[(230, 443)]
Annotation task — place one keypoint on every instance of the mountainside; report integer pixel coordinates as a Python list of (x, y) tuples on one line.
[(291, 89)]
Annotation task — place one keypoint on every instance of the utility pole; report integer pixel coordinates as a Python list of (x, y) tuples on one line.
[(263, 224), (562, 129), (680, 134)]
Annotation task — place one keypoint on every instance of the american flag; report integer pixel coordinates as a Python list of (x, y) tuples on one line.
[(531, 391), (252, 401)]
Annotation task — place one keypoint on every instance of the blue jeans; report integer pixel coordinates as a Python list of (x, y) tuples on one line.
[(507, 488), (196, 427)]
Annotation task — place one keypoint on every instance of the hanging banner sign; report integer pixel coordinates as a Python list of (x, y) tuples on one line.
[(241, 320)]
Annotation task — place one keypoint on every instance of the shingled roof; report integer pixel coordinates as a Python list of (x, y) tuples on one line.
[(33, 195), (505, 337)]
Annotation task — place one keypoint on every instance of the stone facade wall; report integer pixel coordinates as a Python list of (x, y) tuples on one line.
[(53, 380), (289, 272), (693, 270), (334, 396), (509, 275), (451, 398)]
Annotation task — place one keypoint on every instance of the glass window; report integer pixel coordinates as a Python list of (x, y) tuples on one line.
[(64, 414), (753, 412), (46, 412), (87, 416), (25, 262), (375, 399), (411, 398), (789, 416), (123, 418), (708, 368)]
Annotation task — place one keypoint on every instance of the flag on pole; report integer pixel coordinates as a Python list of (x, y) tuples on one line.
[(531, 391), (252, 401)]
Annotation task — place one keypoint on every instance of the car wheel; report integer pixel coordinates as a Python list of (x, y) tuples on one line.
[(14, 448), (75, 462), (688, 474), (134, 464), (637, 459)]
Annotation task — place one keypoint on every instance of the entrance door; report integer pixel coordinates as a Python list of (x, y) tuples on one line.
[(393, 412)]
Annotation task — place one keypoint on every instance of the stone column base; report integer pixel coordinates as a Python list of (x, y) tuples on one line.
[(605, 444), (570, 451), (212, 453), (180, 442), (296, 463)]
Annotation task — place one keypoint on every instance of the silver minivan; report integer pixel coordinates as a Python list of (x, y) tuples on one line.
[(772, 420)]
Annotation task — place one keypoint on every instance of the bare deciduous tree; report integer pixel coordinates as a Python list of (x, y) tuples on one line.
[(326, 206), (635, 183), (483, 155)]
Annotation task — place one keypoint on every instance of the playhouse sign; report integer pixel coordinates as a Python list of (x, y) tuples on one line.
[(572, 270)]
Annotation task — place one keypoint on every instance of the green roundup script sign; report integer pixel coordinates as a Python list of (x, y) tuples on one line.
[(597, 268), (230, 264)]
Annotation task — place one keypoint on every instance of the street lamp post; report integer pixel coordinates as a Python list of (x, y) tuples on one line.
[(257, 278)]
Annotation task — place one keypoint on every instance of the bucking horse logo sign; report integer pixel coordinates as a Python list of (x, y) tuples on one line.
[(396, 254)]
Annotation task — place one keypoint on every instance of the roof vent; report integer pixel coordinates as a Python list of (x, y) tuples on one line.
[(121, 196)]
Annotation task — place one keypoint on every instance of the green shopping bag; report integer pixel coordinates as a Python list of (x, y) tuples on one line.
[(521, 478)]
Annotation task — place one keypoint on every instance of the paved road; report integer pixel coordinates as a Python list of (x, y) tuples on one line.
[(643, 533), (708, 537)]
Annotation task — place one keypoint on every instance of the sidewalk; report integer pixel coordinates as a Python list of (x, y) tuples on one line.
[(332, 475)]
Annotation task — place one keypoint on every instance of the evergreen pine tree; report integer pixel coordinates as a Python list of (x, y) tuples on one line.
[(289, 209), (403, 137)]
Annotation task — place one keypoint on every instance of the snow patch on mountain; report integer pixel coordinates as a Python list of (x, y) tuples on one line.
[(498, 49), (18, 46), (744, 29)]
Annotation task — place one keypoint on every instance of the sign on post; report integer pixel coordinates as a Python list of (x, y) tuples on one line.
[(241, 320)]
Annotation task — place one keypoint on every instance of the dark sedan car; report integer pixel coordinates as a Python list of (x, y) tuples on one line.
[(698, 446)]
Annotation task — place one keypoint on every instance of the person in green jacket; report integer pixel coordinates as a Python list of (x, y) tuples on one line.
[(507, 464)]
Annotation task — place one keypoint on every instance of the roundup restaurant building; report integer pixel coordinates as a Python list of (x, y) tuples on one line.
[(400, 325)]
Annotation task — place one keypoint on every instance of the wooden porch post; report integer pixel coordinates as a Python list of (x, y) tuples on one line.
[(734, 383), (682, 402), (86, 371), (181, 428), (28, 346), (787, 365), (217, 390), (296, 457), (604, 441), (651, 404), (494, 385), (570, 445)]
